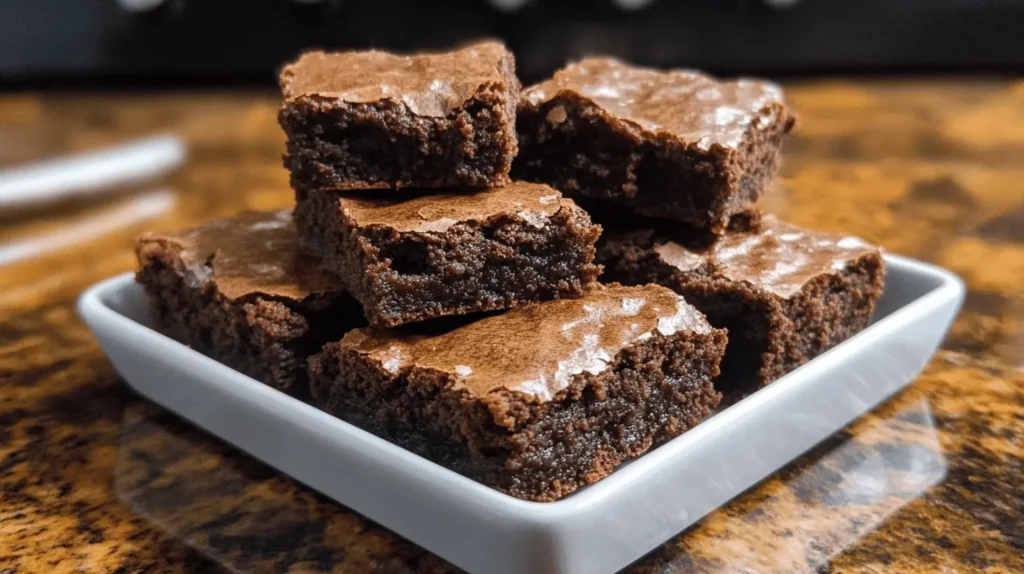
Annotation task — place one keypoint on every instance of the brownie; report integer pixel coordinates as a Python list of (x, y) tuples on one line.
[(536, 402), (360, 120), (408, 256), (785, 294), (240, 291), (677, 144)]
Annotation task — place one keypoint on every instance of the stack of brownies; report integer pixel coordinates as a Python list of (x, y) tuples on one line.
[(437, 281)]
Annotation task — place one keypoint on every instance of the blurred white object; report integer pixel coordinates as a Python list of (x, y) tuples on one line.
[(782, 3), (81, 174), (631, 5), (138, 209), (140, 5), (509, 5)]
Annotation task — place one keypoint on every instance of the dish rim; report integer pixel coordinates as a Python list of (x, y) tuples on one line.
[(95, 304)]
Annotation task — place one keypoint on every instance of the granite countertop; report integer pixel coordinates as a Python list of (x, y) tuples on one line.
[(95, 479)]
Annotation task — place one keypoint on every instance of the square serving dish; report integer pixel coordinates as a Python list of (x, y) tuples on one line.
[(598, 529)]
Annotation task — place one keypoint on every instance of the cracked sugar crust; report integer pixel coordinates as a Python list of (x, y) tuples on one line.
[(430, 85), (685, 104), (535, 349), (253, 252), (779, 258), (437, 212)]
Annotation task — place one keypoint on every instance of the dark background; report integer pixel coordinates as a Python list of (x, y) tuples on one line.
[(200, 42)]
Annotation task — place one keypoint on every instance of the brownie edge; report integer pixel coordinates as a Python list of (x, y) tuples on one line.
[(536, 402)]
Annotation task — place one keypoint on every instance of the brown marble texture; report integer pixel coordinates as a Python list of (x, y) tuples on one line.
[(94, 479)]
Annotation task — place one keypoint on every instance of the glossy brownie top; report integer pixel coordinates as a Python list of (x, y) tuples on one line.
[(252, 252), (687, 104), (437, 212), (428, 84), (779, 258), (535, 349)]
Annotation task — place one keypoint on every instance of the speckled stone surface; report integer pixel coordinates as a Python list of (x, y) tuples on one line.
[(96, 480)]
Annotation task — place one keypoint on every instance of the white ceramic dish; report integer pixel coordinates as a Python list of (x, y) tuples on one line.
[(600, 528)]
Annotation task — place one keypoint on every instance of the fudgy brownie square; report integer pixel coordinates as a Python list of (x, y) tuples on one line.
[(240, 291), (536, 402), (360, 120), (785, 294), (669, 144), (407, 256)]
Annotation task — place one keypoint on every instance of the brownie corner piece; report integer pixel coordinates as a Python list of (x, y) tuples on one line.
[(370, 119), (785, 294), (536, 402), (238, 290), (675, 144), (409, 256)]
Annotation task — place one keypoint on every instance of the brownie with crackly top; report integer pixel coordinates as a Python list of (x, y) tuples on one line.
[(676, 144), (785, 294), (239, 290), (370, 119), (536, 402), (409, 256)]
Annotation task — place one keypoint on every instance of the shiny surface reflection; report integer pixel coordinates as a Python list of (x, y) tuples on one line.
[(238, 513), (841, 491), (93, 479), (930, 481)]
